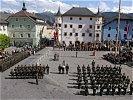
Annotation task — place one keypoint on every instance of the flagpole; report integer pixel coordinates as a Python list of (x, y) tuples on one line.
[(118, 30)]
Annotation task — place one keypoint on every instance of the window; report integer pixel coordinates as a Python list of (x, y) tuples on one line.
[(59, 25), (132, 35), (71, 18), (12, 26), (76, 34), (90, 18), (28, 35), (16, 19), (24, 19), (71, 26), (20, 26), (125, 35), (90, 34), (70, 34), (109, 28), (98, 27), (108, 35), (80, 26), (65, 33), (90, 26), (65, 26), (28, 26), (97, 35), (80, 18), (13, 35), (21, 35), (83, 34)]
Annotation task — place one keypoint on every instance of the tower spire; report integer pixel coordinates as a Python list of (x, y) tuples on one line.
[(24, 8), (98, 11), (58, 13)]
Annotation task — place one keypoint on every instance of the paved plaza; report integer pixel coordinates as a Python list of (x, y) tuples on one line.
[(56, 86)]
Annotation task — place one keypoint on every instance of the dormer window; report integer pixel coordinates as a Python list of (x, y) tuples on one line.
[(71, 18)]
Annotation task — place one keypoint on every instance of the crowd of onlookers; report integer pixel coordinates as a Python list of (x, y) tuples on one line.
[(86, 46), (125, 55)]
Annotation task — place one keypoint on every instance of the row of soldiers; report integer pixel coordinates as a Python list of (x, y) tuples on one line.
[(103, 78), (30, 71)]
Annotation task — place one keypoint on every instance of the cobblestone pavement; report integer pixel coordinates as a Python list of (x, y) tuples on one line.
[(54, 85)]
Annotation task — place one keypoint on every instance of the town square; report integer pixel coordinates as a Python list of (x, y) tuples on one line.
[(77, 54)]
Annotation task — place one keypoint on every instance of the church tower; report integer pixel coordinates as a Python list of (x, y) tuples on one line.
[(98, 26), (58, 23)]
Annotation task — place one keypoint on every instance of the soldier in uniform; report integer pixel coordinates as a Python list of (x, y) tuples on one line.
[(47, 69), (86, 90), (93, 63), (59, 68), (101, 91), (37, 77), (79, 82), (131, 88), (12, 73), (67, 68), (119, 89)]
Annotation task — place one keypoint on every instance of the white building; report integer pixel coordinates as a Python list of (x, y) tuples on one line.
[(78, 24), (3, 27)]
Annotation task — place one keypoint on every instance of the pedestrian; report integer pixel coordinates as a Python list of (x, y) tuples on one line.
[(67, 68), (93, 63), (47, 69), (36, 77), (59, 68), (76, 53)]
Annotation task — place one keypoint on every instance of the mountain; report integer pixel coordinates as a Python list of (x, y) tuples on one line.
[(46, 15)]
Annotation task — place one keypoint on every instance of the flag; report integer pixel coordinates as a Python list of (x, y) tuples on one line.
[(42, 29), (55, 36), (126, 29)]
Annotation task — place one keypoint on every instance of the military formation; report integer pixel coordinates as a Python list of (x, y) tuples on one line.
[(30, 71), (104, 80)]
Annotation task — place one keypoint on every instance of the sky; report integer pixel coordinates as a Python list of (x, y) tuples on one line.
[(38, 6)]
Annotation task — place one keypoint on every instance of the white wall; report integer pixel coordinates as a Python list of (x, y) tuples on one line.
[(85, 22), (3, 29)]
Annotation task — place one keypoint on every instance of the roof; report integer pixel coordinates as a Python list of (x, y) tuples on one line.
[(24, 13), (58, 13), (78, 11), (122, 17), (3, 21)]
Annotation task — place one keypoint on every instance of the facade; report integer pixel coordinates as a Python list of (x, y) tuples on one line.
[(3, 27), (78, 24), (25, 28), (126, 28)]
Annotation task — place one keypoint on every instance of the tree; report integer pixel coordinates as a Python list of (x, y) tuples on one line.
[(4, 41)]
